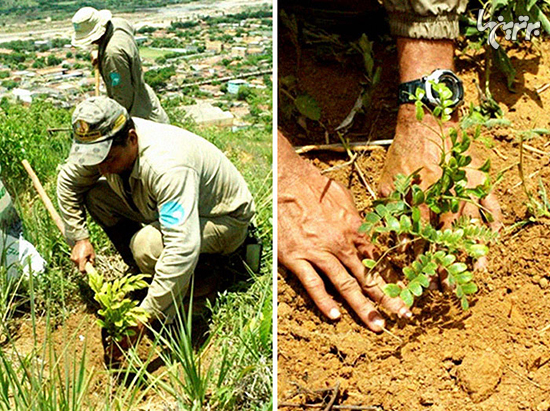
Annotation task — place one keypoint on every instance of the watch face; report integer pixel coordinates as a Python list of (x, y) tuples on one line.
[(450, 80)]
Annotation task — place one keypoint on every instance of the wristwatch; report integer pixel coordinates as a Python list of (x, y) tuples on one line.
[(431, 98)]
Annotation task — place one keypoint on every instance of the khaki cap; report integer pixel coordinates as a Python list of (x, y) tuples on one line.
[(95, 122), (89, 25)]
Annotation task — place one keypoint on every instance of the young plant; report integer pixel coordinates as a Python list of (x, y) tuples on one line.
[(447, 252), (119, 313)]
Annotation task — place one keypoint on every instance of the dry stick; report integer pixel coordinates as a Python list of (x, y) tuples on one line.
[(96, 80), (534, 150), (334, 407), (340, 148), (49, 205), (333, 397), (364, 180), (543, 88), (525, 378)]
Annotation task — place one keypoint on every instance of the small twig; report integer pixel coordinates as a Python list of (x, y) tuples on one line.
[(525, 378), (392, 335), (333, 397), (338, 167), (535, 150), (340, 148), (543, 88), (529, 177), (498, 153), (545, 329), (364, 180), (334, 407)]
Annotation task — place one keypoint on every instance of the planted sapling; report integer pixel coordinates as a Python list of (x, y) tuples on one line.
[(119, 314), (448, 252)]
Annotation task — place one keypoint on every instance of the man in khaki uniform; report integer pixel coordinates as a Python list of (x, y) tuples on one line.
[(180, 192), (118, 61)]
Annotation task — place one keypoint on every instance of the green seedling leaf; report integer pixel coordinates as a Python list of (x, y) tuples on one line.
[(392, 290), (463, 278), (419, 110), (430, 268), (477, 250), (409, 273), (405, 223), (372, 218), (367, 262), (415, 288), (469, 288), (381, 210), (407, 297), (456, 268), (308, 107), (504, 64), (486, 166), (365, 227), (417, 195), (392, 223), (448, 260), (464, 303), (423, 280), (459, 292)]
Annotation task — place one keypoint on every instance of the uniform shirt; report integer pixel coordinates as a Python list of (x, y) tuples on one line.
[(120, 67), (175, 180)]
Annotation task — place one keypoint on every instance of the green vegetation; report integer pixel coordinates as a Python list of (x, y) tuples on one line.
[(118, 313), (38, 9), (157, 78), (450, 251)]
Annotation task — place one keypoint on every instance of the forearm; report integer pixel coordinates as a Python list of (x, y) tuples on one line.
[(418, 57), (71, 190), (290, 167)]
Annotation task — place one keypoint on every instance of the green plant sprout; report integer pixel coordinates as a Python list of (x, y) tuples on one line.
[(119, 313), (447, 252)]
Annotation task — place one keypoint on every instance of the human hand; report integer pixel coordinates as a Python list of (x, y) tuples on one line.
[(82, 252), (318, 227), (417, 146), (93, 57)]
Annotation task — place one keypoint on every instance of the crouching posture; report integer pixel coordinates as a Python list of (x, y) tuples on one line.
[(162, 195)]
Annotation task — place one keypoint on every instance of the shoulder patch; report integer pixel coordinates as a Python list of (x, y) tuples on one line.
[(115, 78), (172, 214)]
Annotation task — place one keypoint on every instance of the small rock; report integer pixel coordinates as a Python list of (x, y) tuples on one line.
[(543, 406), (536, 279), (544, 283), (479, 374), (283, 310)]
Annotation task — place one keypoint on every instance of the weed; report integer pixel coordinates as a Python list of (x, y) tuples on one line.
[(450, 251)]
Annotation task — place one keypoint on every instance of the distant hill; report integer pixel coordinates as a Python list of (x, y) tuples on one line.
[(61, 9)]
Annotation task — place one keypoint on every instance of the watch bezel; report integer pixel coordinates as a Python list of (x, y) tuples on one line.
[(435, 76)]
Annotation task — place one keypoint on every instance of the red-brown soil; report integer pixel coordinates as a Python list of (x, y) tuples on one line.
[(496, 356)]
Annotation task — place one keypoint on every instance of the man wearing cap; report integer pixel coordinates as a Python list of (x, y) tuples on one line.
[(118, 61), (161, 201)]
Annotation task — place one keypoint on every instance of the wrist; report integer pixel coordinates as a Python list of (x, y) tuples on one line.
[(290, 167)]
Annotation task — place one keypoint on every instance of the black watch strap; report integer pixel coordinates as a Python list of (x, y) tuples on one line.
[(407, 89)]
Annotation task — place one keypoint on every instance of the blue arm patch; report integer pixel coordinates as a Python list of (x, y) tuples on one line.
[(171, 214), (115, 78)]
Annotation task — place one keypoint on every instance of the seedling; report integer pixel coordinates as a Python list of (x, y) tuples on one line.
[(449, 252), (119, 314)]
